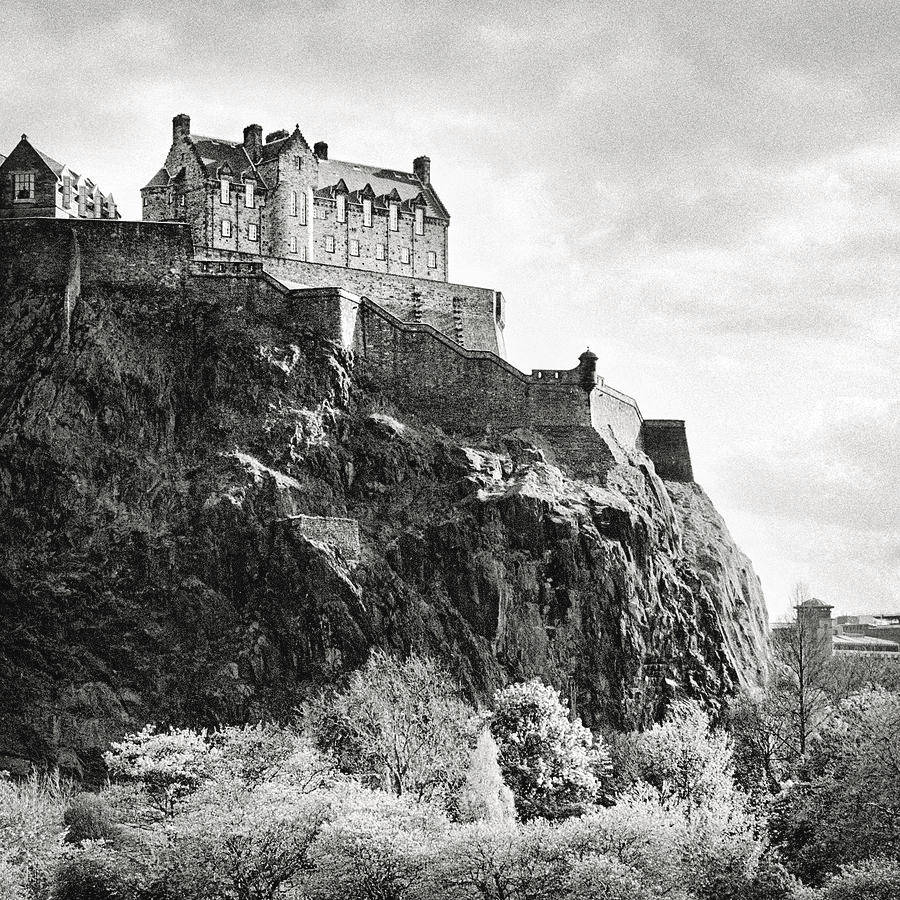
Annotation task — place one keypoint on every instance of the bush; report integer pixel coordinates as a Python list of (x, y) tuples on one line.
[(87, 818), (92, 873), (484, 795), (874, 879)]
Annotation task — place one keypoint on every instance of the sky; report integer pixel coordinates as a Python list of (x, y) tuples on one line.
[(707, 194)]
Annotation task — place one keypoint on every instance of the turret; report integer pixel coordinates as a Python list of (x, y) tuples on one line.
[(587, 369)]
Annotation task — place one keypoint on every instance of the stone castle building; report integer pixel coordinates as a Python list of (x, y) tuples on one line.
[(34, 184), (357, 254), (281, 198)]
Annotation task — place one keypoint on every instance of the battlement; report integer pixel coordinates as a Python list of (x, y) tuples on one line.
[(415, 364)]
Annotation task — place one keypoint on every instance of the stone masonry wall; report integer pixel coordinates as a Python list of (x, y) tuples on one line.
[(340, 534), (665, 442), (469, 315)]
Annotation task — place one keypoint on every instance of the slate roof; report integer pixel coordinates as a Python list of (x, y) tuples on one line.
[(160, 179), (814, 603), (383, 181), (216, 153), (56, 166)]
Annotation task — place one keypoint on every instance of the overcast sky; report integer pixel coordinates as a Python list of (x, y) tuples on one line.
[(706, 193)]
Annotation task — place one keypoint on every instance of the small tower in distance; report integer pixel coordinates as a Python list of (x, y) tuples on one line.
[(814, 625)]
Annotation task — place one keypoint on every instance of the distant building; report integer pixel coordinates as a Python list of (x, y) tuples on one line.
[(822, 638), (34, 184), (281, 198)]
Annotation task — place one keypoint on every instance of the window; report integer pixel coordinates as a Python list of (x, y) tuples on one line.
[(293, 203), (303, 209), (367, 213), (393, 217), (253, 232), (293, 243), (303, 253), (354, 248), (341, 208), (379, 251), (182, 201), (67, 191), (329, 243), (23, 185), (298, 162), (249, 195), (226, 228), (404, 255), (224, 190), (432, 259), (420, 220)]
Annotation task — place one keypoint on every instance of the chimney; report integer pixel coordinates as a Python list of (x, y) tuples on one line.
[(253, 142), (320, 148), (422, 169), (181, 126)]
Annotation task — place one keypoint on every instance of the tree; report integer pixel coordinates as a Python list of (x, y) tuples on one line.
[(168, 765), (400, 722), (554, 766), (845, 806), (688, 763), (377, 848), (484, 795)]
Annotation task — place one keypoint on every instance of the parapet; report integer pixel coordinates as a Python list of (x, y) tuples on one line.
[(665, 442)]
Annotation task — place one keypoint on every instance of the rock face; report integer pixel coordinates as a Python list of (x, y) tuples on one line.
[(153, 454)]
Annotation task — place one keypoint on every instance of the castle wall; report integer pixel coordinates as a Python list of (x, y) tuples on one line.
[(122, 253), (665, 442), (470, 315), (618, 412)]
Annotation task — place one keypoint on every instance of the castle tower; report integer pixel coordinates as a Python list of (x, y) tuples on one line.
[(814, 625)]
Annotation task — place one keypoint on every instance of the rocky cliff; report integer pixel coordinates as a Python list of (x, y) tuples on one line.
[(154, 450)]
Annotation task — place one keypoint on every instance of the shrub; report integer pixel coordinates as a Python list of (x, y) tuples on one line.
[(87, 818), (91, 873), (484, 795), (874, 879)]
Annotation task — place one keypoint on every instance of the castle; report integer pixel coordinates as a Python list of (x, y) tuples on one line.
[(357, 253)]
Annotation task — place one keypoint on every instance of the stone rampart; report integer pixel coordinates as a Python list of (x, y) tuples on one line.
[(472, 316), (414, 363), (665, 442)]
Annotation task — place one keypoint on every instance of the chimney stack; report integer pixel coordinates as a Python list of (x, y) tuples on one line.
[(181, 126), (422, 169), (320, 148), (253, 142)]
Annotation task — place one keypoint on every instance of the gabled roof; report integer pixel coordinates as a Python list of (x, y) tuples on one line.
[(216, 153), (383, 182), (57, 167)]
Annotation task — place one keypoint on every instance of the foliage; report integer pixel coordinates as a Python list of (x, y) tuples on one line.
[(400, 723), (378, 848), (554, 766), (87, 818), (874, 879), (484, 795), (168, 765), (845, 807), (93, 873), (31, 832)]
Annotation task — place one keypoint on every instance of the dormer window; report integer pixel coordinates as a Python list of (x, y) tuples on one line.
[(224, 191), (250, 195), (367, 213), (342, 208), (67, 191), (23, 185), (420, 220), (394, 217)]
